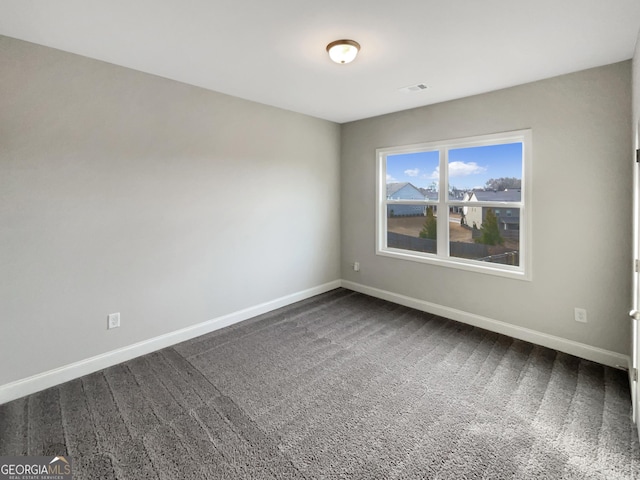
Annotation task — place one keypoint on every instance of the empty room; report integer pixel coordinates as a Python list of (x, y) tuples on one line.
[(295, 240)]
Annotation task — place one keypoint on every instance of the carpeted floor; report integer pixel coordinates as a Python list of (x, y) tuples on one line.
[(338, 386)]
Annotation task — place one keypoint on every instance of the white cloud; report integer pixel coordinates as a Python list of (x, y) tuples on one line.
[(412, 172), (435, 175), (390, 179), (456, 169), (461, 169)]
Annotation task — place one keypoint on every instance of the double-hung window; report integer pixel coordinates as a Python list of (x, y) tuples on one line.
[(463, 203)]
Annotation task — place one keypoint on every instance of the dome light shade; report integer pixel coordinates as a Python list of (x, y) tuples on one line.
[(343, 51)]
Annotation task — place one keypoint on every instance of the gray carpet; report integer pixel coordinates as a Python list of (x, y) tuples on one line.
[(338, 386)]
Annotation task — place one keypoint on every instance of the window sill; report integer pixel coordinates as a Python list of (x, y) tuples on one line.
[(485, 268)]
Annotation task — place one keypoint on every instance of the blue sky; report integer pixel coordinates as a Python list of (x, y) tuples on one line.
[(468, 167)]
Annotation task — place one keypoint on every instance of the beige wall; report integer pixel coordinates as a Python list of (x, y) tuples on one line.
[(125, 192), (581, 208), (636, 93)]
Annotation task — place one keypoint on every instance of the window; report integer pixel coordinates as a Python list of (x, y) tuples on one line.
[(462, 203)]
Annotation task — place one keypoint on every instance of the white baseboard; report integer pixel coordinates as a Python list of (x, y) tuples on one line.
[(41, 381), (595, 354)]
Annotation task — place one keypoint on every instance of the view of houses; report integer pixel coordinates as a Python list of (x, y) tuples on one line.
[(508, 218), (465, 222)]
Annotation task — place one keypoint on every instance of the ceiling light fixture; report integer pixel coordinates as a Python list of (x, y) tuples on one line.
[(343, 51)]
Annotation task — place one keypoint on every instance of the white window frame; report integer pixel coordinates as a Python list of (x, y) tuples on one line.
[(442, 257)]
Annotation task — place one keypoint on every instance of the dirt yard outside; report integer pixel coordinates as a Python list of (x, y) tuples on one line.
[(457, 233), (412, 226)]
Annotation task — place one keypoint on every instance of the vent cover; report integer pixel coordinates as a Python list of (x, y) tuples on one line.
[(419, 87)]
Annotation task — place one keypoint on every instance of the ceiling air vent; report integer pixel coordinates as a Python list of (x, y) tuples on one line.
[(419, 87)]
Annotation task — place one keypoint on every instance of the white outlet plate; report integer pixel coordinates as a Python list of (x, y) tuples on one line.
[(113, 320), (580, 315), (356, 266)]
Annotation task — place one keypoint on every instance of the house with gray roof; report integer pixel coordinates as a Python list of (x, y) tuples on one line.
[(508, 218), (404, 191), (509, 195)]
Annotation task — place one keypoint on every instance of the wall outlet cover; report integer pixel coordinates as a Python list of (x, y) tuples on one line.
[(580, 315), (113, 320)]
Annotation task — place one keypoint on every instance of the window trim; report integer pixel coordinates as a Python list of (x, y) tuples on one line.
[(442, 258)]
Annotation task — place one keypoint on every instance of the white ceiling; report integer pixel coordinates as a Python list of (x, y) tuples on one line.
[(273, 51)]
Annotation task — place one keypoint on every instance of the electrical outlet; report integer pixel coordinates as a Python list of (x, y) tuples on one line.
[(580, 315), (113, 320), (356, 266)]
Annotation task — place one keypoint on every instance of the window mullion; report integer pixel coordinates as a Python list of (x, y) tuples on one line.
[(443, 213)]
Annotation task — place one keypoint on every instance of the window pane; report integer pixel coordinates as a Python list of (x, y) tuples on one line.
[(413, 176), (491, 173), (412, 232), (495, 237)]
